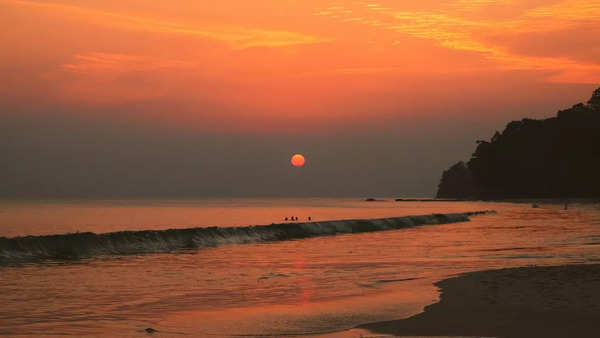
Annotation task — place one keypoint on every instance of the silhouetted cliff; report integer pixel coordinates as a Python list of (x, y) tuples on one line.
[(555, 157)]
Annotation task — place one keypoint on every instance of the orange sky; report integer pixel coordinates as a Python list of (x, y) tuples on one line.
[(268, 64), (211, 98)]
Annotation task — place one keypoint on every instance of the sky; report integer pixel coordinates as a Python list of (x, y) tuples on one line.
[(188, 98)]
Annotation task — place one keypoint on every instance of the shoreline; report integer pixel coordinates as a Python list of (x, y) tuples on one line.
[(547, 200), (524, 200), (553, 301)]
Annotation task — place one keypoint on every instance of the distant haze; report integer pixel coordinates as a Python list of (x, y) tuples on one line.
[(208, 99)]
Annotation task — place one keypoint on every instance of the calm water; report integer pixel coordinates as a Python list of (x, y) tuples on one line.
[(306, 286), (57, 217)]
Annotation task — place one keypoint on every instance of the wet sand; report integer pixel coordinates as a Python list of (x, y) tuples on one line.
[(559, 301)]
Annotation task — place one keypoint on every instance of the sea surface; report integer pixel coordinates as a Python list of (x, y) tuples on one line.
[(323, 285)]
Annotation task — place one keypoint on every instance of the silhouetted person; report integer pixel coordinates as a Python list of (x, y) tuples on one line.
[(309, 218), (286, 219)]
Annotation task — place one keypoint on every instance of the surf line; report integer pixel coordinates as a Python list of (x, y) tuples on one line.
[(73, 246)]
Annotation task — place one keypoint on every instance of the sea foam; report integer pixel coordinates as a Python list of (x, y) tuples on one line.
[(32, 249)]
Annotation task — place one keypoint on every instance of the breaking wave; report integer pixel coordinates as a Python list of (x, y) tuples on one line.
[(31, 249)]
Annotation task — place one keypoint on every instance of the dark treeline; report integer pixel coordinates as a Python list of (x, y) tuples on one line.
[(555, 157)]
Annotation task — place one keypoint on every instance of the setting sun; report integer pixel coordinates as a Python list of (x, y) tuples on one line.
[(298, 160)]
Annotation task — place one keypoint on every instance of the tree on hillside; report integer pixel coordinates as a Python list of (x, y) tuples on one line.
[(555, 157)]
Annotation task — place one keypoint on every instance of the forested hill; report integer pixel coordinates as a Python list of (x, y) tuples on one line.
[(555, 157)]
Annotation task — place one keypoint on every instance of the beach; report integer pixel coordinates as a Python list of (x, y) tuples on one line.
[(555, 301)]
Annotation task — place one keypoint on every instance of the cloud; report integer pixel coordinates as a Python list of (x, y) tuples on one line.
[(451, 28), (235, 37), (114, 78), (113, 64), (474, 5), (568, 11)]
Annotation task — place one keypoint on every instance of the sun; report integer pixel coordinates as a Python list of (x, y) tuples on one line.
[(298, 160)]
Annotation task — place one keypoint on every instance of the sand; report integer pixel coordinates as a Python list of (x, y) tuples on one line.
[(559, 301)]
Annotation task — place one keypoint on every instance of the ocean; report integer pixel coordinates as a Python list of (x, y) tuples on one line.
[(355, 262)]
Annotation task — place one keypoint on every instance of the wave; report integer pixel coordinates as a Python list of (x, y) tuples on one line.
[(32, 249)]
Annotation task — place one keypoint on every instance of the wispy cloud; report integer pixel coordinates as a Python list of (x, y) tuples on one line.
[(475, 5), (235, 37), (568, 11), (451, 28), (114, 64)]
